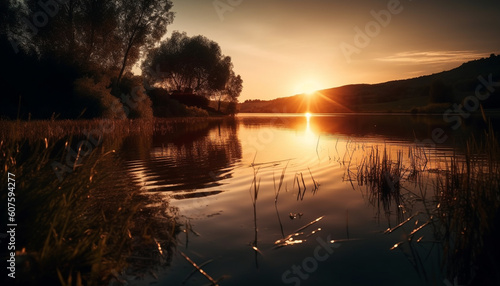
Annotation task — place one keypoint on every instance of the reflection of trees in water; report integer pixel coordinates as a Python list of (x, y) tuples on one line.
[(188, 155)]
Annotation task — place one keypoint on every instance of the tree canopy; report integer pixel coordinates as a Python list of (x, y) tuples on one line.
[(90, 34), (51, 44), (192, 63), (74, 58)]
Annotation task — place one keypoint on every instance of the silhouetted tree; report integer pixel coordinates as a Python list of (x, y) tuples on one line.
[(143, 23), (48, 46), (231, 93), (190, 63), (234, 87), (92, 33)]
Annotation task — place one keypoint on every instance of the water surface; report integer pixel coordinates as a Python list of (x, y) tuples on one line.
[(322, 225)]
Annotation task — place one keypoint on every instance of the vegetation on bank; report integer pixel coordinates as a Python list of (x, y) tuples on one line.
[(88, 226), (79, 63)]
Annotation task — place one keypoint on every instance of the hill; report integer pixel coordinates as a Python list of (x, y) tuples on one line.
[(426, 94)]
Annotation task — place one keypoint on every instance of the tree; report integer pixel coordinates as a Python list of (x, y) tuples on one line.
[(234, 87), (92, 34), (51, 44), (144, 22), (191, 63)]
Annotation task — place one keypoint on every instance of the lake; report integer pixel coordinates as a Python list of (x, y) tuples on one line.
[(324, 199)]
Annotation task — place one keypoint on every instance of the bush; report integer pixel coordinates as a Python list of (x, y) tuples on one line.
[(138, 105), (159, 96), (196, 112), (169, 108), (93, 99), (191, 99), (133, 97)]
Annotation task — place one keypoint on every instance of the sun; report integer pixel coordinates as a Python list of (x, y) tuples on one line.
[(308, 87), (310, 92)]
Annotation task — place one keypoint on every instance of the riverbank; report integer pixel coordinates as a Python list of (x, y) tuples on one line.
[(80, 218)]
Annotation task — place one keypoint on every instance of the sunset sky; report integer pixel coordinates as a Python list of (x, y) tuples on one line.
[(286, 47)]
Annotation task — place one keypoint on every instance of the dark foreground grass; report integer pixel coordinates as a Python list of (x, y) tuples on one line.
[(468, 211), (88, 226)]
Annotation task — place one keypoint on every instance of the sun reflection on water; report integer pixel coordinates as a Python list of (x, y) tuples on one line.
[(309, 135)]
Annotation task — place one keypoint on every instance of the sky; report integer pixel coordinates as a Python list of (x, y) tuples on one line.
[(286, 47)]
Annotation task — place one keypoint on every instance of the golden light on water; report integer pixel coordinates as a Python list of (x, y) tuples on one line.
[(308, 125), (309, 137)]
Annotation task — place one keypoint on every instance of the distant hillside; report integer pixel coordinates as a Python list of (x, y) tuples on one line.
[(425, 94)]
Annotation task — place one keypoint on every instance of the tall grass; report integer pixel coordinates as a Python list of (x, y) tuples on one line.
[(383, 176), (468, 195), (276, 195), (462, 206), (80, 230), (254, 194)]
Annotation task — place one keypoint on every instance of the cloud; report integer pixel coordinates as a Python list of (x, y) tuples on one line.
[(432, 57)]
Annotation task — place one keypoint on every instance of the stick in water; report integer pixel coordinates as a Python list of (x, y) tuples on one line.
[(199, 269)]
